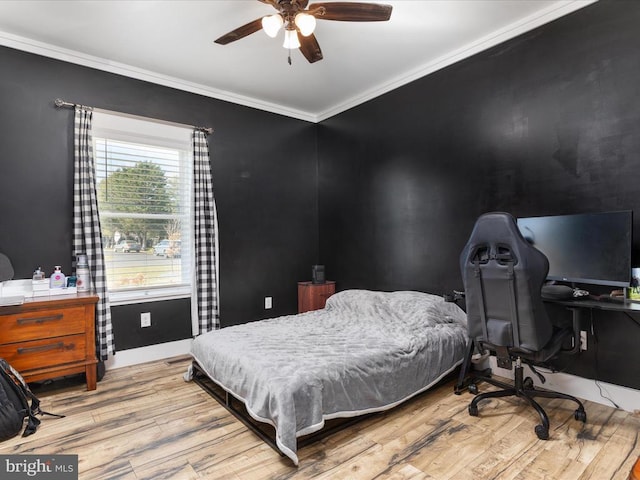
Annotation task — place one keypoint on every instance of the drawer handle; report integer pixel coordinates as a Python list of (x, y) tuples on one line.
[(42, 348), (39, 320)]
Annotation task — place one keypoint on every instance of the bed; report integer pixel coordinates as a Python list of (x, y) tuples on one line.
[(365, 352)]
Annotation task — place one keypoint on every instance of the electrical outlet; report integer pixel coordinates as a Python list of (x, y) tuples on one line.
[(583, 339), (145, 319), (268, 303)]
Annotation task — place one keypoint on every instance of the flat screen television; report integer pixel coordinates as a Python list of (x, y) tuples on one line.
[(592, 248)]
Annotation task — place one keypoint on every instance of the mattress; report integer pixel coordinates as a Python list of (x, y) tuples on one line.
[(365, 352)]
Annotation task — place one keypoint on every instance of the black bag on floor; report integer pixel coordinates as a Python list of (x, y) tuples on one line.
[(14, 404)]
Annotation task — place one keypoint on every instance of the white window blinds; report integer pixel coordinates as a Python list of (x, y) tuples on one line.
[(144, 178)]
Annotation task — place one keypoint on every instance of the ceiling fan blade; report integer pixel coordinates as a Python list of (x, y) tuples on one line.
[(353, 11), (310, 48), (240, 32)]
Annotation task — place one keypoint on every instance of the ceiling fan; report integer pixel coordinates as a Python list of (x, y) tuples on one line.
[(299, 20)]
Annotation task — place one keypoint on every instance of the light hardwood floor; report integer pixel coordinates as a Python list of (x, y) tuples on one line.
[(145, 422)]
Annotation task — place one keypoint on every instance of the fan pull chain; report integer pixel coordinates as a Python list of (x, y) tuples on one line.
[(289, 59)]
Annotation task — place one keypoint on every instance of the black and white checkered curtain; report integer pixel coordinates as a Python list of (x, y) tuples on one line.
[(206, 234), (87, 237)]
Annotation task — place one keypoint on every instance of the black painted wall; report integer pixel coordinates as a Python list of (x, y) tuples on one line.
[(264, 172), (547, 123)]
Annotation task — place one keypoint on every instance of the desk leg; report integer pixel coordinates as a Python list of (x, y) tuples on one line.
[(576, 316)]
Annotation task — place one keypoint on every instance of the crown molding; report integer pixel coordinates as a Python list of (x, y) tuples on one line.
[(553, 12), (32, 46)]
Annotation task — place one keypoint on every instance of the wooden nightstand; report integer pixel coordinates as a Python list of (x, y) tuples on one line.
[(49, 337), (313, 296)]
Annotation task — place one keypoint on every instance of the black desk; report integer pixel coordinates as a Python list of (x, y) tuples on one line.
[(612, 353), (625, 306), (577, 304), (580, 307)]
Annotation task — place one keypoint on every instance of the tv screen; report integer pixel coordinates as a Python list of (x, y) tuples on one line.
[(593, 248)]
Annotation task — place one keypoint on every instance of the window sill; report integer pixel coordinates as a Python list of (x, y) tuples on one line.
[(146, 296)]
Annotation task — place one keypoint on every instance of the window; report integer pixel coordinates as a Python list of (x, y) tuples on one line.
[(143, 181)]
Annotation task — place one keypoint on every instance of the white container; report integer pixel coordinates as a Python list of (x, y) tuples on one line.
[(40, 285), (57, 279), (83, 282), (61, 291), (17, 287), (83, 277)]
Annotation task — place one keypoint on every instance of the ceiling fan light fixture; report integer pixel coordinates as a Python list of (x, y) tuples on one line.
[(298, 20), (271, 24), (291, 40), (306, 23)]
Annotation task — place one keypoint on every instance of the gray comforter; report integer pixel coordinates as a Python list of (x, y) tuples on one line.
[(364, 352)]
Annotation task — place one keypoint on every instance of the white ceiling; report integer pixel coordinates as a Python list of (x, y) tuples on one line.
[(171, 43)]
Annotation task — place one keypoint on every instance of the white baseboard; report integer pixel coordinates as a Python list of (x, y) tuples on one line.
[(626, 398), (134, 356)]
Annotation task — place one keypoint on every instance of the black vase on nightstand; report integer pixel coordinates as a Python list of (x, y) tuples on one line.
[(317, 274)]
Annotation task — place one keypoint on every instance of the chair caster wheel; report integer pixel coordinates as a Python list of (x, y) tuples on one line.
[(542, 432), (580, 415), (473, 388), (473, 410), (528, 383)]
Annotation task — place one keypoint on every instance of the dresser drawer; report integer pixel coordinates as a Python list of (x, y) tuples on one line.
[(35, 324), (25, 356)]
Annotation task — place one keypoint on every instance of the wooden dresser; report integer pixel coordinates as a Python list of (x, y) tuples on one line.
[(313, 296), (49, 337)]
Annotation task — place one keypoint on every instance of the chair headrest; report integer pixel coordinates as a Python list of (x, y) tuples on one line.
[(497, 227), (496, 236)]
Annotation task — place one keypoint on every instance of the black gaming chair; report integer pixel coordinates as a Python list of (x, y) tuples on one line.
[(503, 276)]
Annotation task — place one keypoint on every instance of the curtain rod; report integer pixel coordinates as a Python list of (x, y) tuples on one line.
[(58, 102)]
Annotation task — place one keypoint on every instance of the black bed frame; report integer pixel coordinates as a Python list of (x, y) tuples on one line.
[(265, 431)]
